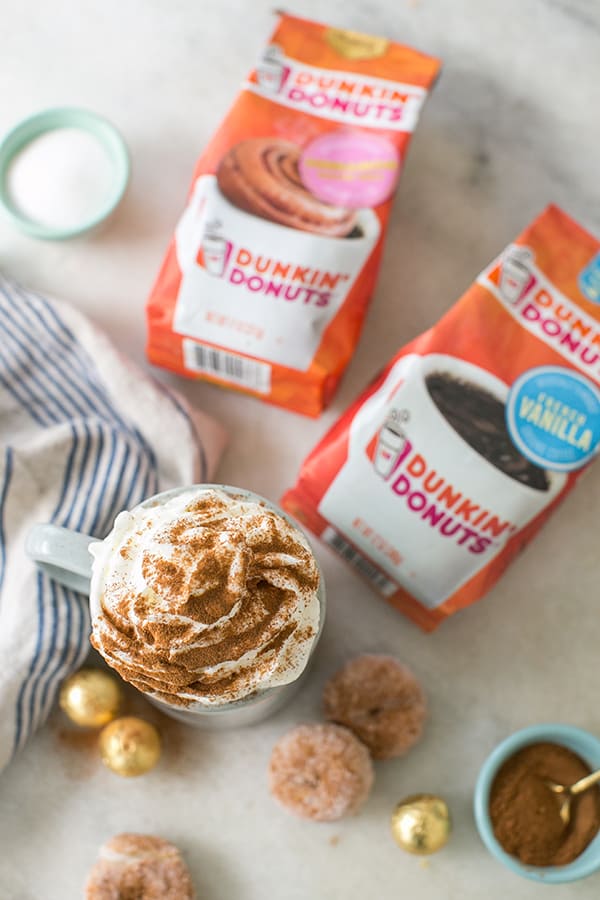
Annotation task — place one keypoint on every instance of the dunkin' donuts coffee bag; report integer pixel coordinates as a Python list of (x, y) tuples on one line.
[(455, 456), (267, 279)]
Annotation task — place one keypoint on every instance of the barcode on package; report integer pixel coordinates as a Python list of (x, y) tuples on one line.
[(228, 366), (359, 562)]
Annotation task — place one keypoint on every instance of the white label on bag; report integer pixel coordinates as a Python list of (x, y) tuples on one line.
[(337, 95), (414, 497), (259, 288)]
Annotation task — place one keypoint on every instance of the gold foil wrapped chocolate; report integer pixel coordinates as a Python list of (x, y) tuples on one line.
[(421, 824), (91, 697), (130, 746)]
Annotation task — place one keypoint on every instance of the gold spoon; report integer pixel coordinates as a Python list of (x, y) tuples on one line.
[(566, 792)]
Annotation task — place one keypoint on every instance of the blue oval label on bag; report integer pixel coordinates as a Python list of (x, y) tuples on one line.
[(553, 417), (589, 280)]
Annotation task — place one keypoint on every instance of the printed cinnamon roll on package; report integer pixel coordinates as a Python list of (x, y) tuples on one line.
[(267, 279), (458, 452)]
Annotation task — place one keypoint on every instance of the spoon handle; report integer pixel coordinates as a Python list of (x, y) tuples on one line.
[(584, 783)]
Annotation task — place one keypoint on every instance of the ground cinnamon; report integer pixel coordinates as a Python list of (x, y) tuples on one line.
[(525, 813)]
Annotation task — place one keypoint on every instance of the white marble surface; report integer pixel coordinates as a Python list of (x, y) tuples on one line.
[(512, 125)]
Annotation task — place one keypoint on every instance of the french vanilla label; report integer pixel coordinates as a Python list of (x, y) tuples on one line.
[(249, 283), (539, 307), (337, 95), (433, 487)]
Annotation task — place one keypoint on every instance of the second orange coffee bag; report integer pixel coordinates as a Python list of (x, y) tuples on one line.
[(453, 459)]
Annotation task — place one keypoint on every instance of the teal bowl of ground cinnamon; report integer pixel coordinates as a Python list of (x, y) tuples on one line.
[(517, 815)]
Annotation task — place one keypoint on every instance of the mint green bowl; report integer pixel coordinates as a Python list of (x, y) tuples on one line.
[(587, 746), (51, 120)]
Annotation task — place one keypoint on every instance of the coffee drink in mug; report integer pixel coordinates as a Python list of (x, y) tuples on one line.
[(207, 599)]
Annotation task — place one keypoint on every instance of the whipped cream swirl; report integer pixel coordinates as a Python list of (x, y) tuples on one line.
[(204, 598)]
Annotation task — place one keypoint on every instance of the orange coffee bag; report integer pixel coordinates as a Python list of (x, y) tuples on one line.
[(455, 456), (267, 279)]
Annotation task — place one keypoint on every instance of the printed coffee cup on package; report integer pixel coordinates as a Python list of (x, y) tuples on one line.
[(267, 280), (455, 456)]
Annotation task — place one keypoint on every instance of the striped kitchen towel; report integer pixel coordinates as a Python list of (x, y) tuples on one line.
[(83, 435)]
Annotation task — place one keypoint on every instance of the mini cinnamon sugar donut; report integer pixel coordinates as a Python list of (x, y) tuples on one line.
[(381, 701), (261, 176), (321, 772), (139, 867)]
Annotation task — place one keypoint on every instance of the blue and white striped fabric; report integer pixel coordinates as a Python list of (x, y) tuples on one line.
[(83, 435)]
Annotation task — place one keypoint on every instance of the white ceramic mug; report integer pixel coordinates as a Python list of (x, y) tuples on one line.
[(64, 555)]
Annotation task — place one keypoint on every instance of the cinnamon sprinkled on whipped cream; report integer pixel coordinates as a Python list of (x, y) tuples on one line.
[(207, 597)]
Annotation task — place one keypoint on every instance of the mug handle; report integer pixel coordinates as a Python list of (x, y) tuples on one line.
[(62, 554)]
